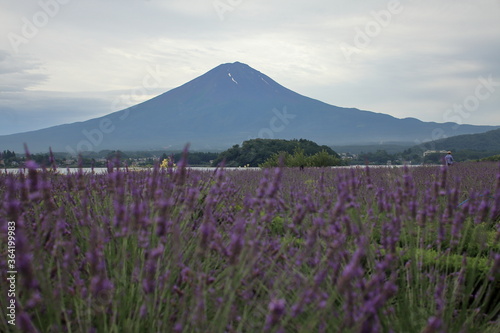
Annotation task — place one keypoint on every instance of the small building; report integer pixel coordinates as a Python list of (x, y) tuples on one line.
[(429, 152)]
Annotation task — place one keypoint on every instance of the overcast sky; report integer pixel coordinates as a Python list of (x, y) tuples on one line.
[(63, 61)]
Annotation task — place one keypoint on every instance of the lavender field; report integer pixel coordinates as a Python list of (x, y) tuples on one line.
[(274, 250)]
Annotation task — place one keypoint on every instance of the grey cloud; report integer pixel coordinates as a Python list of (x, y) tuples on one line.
[(18, 72)]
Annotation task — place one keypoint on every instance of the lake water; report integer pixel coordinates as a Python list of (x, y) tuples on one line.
[(105, 170)]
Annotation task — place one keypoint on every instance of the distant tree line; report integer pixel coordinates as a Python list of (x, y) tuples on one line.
[(494, 158), (9, 159), (415, 155), (271, 152), (193, 159)]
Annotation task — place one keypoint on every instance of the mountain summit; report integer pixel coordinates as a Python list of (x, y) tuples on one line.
[(225, 106), (238, 79)]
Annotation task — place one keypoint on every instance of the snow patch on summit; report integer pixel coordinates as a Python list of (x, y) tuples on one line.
[(264, 81), (229, 74)]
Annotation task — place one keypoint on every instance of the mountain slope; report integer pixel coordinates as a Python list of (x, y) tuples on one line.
[(225, 106), (487, 142)]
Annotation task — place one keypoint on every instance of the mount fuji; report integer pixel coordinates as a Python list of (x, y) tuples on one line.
[(225, 106)]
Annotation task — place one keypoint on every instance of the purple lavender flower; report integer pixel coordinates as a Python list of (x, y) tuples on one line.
[(434, 324), (276, 310), (25, 323)]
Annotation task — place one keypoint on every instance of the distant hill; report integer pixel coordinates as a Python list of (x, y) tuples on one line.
[(388, 147), (225, 106), (482, 142), (464, 147)]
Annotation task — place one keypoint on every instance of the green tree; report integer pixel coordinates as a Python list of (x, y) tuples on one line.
[(298, 159), (257, 151), (494, 158), (323, 159)]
